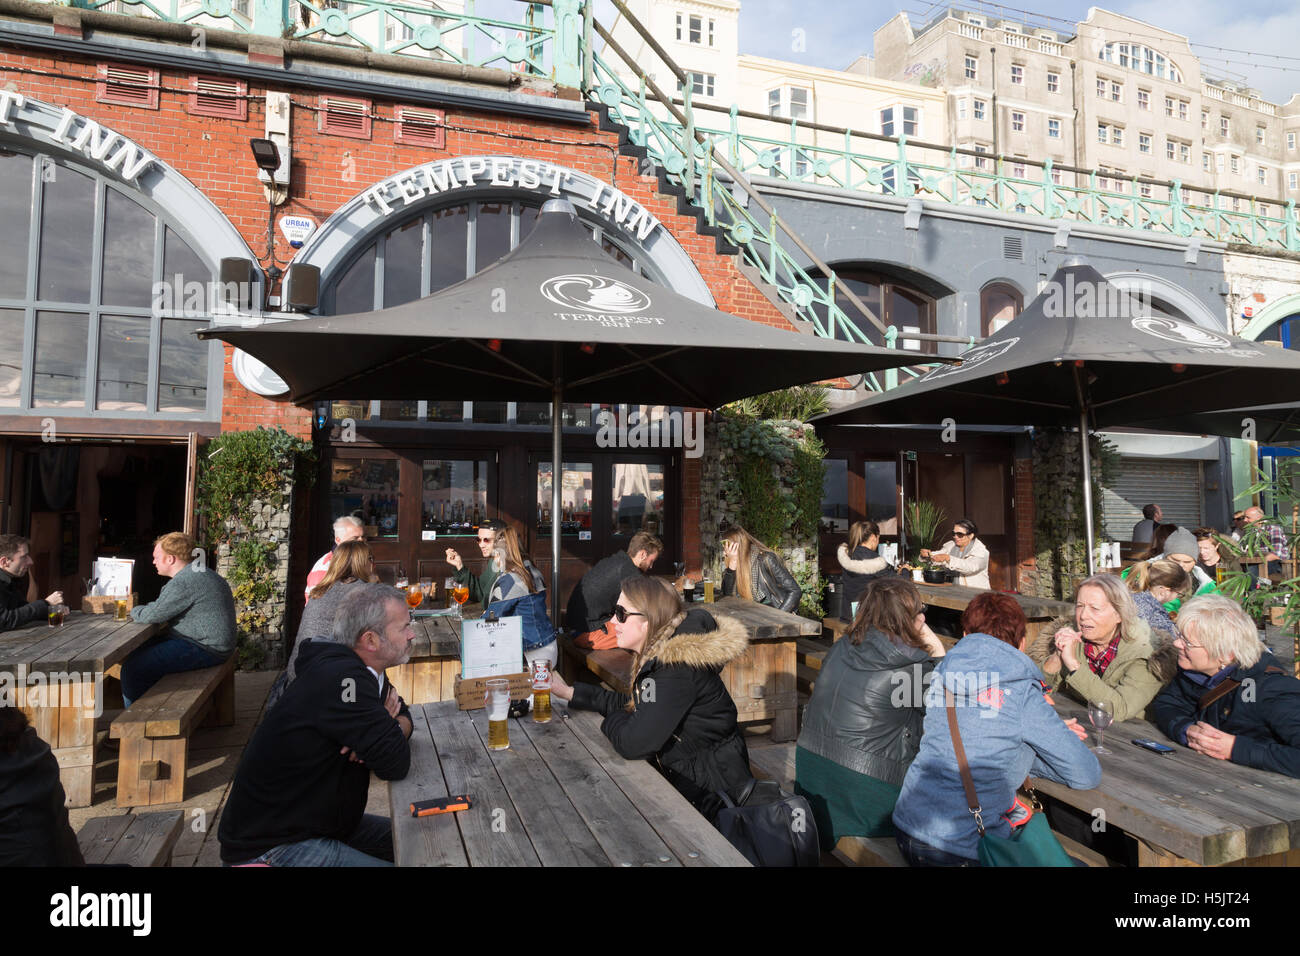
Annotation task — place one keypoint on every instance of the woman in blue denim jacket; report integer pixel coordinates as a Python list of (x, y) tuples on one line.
[(1008, 729), (520, 591)]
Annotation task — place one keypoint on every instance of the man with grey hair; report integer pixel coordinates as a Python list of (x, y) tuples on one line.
[(346, 528), (299, 795), (1231, 700)]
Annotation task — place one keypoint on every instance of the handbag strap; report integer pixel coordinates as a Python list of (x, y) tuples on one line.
[(968, 784)]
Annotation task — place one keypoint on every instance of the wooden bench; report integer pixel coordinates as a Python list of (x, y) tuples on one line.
[(835, 627), (130, 839), (155, 732), (869, 851)]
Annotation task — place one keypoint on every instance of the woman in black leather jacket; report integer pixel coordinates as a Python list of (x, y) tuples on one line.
[(756, 573)]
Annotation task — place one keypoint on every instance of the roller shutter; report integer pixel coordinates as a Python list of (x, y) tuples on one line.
[(1174, 484)]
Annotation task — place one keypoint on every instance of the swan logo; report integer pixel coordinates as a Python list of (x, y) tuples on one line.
[(595, 294), (973, 358), (1183, 333)]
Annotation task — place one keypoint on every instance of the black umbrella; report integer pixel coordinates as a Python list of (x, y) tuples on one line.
[(556, 319), (1266, 424), (1086, 353)]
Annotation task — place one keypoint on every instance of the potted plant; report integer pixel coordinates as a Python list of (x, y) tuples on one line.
[(923, 521)]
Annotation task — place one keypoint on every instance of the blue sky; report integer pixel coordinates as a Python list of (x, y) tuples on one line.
[(837, 32)]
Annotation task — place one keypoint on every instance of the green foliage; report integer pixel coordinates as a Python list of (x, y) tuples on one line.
[(237, 470), (1257, 598), (801, 403), (923, 519)]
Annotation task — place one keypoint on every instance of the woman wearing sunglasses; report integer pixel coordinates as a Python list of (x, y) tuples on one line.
[(680, 716), (965, 554)]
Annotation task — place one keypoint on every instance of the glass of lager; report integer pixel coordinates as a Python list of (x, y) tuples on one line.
[(497, 701), (542, 691), (708, 587), (120, 600)]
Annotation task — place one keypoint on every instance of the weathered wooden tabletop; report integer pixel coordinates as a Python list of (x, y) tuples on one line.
[(86, 642), (956, 597), (1195, 807), (560, 796), (764, 622)]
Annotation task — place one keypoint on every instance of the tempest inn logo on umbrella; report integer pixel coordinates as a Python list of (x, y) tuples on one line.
[(599, 299), (973, 358), (1197, 339)]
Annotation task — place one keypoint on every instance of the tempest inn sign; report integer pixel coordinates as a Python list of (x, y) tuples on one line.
[(607, 302), (112, 151), (509, 172)]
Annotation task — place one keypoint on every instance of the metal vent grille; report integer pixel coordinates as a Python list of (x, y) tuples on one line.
[(342, 117), (219, 97), (127, 86), (1012, 249)]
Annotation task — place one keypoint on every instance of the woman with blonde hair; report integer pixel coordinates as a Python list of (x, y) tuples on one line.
[(680, 715), (1154, 585), (353, 564), (756, 573), (520, 591), (1107, 653), (1231, 699)]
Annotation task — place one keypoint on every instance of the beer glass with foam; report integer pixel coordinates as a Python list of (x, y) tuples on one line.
[(497, 701), (541, 691)]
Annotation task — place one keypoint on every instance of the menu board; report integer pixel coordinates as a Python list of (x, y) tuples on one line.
[(491, 648)]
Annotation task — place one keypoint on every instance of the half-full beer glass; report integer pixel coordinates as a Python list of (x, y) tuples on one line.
[(120, 601), (497, 701), (542, 691)]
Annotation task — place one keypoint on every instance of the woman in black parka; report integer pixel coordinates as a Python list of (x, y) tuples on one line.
[(680, 716)]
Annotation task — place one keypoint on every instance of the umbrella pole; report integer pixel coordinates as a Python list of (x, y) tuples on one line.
[(1087, 490), (557, 480)]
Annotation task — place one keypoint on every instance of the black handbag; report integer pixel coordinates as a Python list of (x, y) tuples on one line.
[(769, 826)]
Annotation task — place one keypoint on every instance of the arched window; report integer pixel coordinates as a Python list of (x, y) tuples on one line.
[(890, 301), (1286, 331), (440, 246), (1134, 56), (100, 296), (999, 304)]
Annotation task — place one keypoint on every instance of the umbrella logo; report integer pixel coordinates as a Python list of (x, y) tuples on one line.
[(973, 358), (1183, 333), (594, 294)]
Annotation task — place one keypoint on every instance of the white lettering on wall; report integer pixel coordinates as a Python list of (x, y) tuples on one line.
[(111, 150)]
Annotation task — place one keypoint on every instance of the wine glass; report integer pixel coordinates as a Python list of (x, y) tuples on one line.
[(414, 596), (460, 594), (1101, 713)]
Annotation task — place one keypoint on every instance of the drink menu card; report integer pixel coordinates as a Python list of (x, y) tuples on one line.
[(114, 575), (491, 648)]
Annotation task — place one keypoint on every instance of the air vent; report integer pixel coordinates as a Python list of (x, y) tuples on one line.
[(214, 96), (416, 127), (1012, 249), (345, 117), (127, 86)]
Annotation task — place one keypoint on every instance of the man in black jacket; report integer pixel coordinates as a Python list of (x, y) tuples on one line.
[(299, 795), (591, 605), (15, 561)]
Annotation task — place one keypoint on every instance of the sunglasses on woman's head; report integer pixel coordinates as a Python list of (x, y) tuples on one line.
[(621, 614)]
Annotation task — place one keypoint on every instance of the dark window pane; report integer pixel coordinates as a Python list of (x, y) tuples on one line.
[(532, 413), (882, 495), (528, 216), (59, 378), (489, 413), (16, 214), (11, 357), (455, 498), (615, 253), (123, 363), (637, 498), (367, 488), (356, 290), (67, 223), (835, 496), (182, 368), (185, 273), (128, 254), (446, 411), (399, 411), (493, 240), (450, 236), (402, 257), (869, 293)]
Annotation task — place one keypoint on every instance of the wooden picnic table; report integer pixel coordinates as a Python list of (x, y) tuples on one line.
[(559, 796), (430, 673), (1038, 611), (762, 683), (58, 677), (1186, 809)]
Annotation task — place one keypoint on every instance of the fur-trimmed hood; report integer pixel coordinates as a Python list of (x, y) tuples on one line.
[(862, 566), (694, 643), (1159, 652)]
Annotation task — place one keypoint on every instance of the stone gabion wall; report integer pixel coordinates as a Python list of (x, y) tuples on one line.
[(1059, 548), (717, 513), (272, 526)]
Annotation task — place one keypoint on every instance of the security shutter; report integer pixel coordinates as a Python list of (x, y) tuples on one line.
[(1174, 484)]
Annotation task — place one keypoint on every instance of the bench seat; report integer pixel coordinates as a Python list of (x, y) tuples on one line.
[(154, 732), (129, 839)]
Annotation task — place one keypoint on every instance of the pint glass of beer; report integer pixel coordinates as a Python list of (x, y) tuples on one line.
[(708, 588), (121, 614), (542, 691), (497, 702)]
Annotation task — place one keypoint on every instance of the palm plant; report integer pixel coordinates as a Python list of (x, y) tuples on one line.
[(923, 520)]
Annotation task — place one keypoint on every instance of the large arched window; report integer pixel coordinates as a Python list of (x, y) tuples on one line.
[(1134, 56), (84, 326), (441, 246), (999, 304), (890, 301)]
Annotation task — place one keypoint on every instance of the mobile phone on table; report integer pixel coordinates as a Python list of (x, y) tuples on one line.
[(1154, 747), (427, 808)]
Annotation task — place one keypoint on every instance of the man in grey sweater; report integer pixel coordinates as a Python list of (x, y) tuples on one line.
[(199, 610)]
